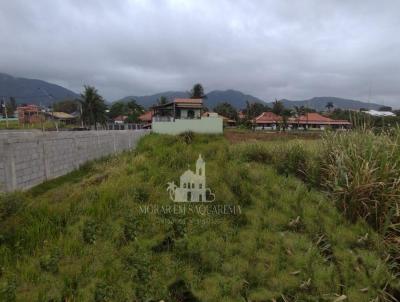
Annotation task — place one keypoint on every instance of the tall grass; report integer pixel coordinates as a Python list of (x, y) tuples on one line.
[(359, 169), (362, 170), (85, 239)]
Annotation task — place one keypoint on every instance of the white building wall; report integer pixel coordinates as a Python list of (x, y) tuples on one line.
[(211, 125)]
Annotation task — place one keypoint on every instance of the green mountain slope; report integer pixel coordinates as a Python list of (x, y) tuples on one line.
[(319, 103), (235, 98), (32, 91), (84, 237), (238, 100)]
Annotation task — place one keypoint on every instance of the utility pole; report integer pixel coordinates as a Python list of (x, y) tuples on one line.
[(41, 120), (5, 111), (81, 110), (52, 108)]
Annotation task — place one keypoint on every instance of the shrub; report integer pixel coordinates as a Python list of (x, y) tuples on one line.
[(361, 169), (187, 137), (49, 262), (8, 290), (292, 160), (89, 231), (103, 292), (10, 203), (70, 289), (179, 291), (130, 228), (141, 194)]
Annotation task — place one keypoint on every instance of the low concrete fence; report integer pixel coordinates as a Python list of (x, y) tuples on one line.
[(30, 158)]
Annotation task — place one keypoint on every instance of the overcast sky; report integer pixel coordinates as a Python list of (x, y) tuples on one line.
[(270, 49)]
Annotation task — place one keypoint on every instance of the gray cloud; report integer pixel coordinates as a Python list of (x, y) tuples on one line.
[(271, 49)]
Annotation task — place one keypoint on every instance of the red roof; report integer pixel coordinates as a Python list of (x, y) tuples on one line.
[(146, 117), (316, 118), (267, 117), (309, 118), (29, 108), (241, 115), (120, 118)]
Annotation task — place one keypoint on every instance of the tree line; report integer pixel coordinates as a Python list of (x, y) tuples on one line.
[(94, 111)]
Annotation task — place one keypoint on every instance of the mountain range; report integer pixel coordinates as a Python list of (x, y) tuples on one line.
[(234, 97), (319, 103), (238, 100), (35, 91), (32, 91)]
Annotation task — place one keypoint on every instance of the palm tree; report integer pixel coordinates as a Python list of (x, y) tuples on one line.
[(299, 111), (93, 107), (329, 106), (171, 190)]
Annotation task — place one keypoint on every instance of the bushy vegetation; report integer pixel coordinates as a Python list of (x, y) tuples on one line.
[(85, 239), (359, 169)]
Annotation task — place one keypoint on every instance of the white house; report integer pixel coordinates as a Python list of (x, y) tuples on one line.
[(380, 113), (183, 115)]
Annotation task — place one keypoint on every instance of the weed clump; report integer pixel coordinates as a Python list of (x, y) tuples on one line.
[(104, 292), (361, 169), (187, 137), (10, 203), (130, 228), (8, 290), (89, 231), (49, 262), (179, 291)]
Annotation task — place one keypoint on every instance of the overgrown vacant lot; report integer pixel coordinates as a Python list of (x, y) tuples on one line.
[(83, 238), (235, 135)]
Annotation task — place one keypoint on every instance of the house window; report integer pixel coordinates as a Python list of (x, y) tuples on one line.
[(200, 186), (184, 185), (189, 196), (200, 171), (192, 185), (200, 197), (188, 185), (190, 114)]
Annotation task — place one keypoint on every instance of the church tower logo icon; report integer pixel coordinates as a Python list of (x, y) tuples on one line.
[(192, 186)]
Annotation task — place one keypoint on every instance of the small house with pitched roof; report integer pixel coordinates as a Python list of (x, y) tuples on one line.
[(182, 115)]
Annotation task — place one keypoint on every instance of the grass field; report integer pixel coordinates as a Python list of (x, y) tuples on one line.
[(83, 237), (47, 125)]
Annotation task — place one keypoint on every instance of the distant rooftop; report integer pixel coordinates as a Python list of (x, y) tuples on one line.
[(380, 113), (182, 103), (188, 101)]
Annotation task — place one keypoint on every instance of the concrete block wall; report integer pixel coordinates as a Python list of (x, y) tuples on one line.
[(30, 158)]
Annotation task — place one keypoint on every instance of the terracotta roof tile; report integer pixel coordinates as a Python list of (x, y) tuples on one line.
[(316, 118), (146, 117), (120, 118), (267, 117)]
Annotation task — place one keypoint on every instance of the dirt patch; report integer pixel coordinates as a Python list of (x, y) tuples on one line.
[(237, 136)]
